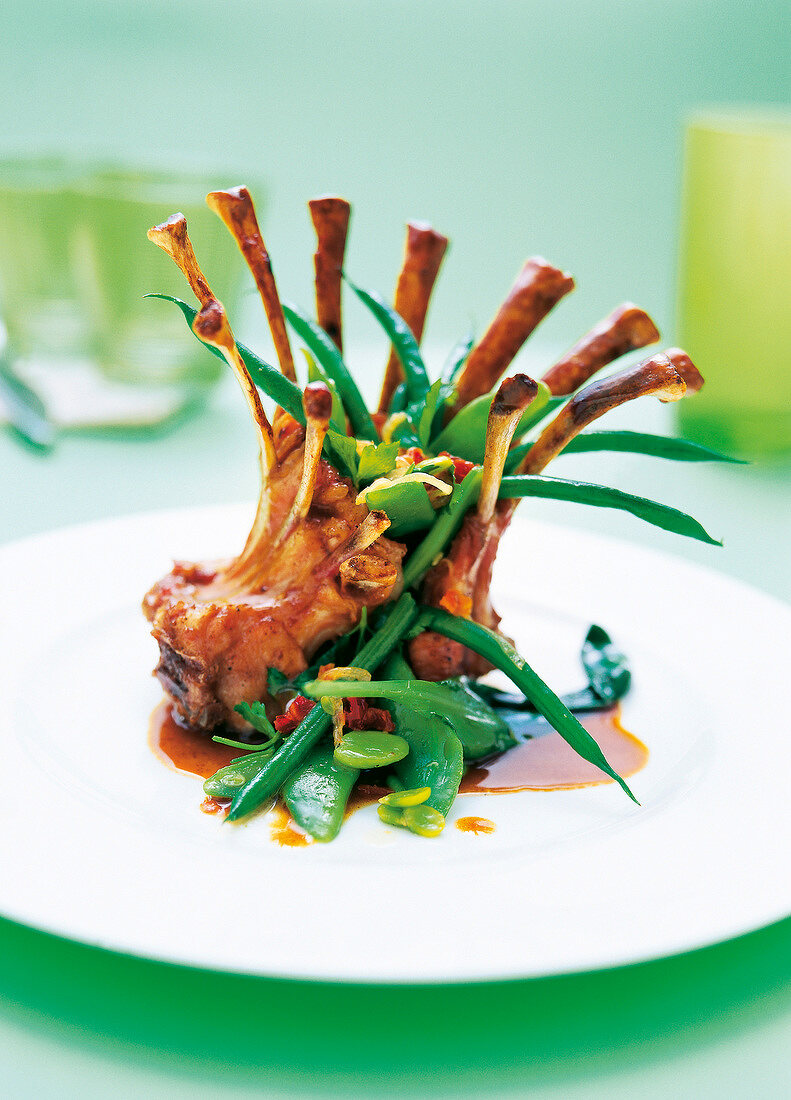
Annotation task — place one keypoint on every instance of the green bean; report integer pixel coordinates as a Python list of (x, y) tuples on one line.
[(327, 353), (499, 652), (601, 496), (317, 373), (296, 747), (316, 793), (643, 443), (402, 339), (445, 527)]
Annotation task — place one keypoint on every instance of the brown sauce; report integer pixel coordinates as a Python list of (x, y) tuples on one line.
[(547, 763), (543, 763), (365, 794), (184, 749), (476, 825)]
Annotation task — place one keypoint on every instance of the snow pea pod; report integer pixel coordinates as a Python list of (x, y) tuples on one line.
[(267, 781), (465, 435), (436, 757), (406, 504), (478, 726), (228, 781), (316, 794)]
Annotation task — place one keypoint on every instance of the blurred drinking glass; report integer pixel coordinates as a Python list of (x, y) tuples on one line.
[(734, 303), (75, 265)]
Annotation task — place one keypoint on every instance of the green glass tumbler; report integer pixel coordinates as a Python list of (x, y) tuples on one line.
[(734, 294)]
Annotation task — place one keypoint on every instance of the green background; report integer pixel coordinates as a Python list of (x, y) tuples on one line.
[(515, 128)]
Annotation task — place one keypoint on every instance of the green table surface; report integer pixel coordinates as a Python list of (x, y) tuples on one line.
[(75, 1020)]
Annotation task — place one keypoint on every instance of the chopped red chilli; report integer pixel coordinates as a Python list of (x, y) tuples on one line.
[(414, 454), (461, 467), (296, 710), (359, 715)]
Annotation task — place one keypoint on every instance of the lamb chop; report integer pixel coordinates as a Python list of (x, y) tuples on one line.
[(314, 557), (461, 580), (317, 554)]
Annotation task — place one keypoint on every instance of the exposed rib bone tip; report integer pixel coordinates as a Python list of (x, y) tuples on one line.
[(317, 402), (514, 394), (218, 201), (511, 399), (636, 324), (174, 230), (686, 368)]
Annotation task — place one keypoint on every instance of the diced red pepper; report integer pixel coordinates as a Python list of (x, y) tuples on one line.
[(359, 715), (414, 454), (296, 710), (461, 467)]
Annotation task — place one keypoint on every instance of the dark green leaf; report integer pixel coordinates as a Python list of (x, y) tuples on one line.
[(326, 351), (402, 339), (608, 674), (478, 726), (276, 681), (607, 668), (398, 400), (600, 496)]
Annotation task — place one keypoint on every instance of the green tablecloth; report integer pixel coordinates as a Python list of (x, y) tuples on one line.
[(78, 1021)]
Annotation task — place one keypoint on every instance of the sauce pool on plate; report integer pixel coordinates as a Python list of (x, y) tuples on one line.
[(542, 763)]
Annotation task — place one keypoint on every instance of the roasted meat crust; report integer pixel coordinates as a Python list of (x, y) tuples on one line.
[(462, 578), (217, 646)]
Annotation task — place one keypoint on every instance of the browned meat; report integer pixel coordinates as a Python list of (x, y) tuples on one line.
[(460, 582), (218, 640)]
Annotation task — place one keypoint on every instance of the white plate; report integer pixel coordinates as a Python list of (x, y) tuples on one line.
[(102, 843)]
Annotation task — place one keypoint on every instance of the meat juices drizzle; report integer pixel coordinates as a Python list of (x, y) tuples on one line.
[(543, 763)]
